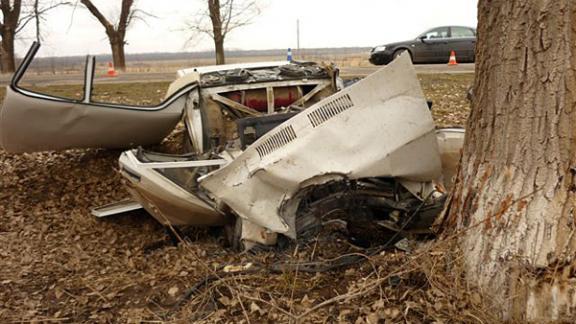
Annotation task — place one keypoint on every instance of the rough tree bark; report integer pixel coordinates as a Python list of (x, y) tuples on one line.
[(8, 29), (514, 197), (116, 34)]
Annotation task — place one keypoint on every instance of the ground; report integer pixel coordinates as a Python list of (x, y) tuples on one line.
[(58, 263)]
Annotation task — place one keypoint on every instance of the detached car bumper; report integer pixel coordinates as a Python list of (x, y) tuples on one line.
[(380, 58)]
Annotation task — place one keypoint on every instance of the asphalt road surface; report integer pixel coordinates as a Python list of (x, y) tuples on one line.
[(128, 77)]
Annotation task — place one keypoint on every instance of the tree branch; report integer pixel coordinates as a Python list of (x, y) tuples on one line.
[(139, 14), (23, 22), (96, 13), (229, 8), (37, 14), (15, 13), (11, 14), (125, 16), (5, 7)]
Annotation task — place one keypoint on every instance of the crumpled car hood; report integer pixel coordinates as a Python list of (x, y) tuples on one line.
[(379, 127)]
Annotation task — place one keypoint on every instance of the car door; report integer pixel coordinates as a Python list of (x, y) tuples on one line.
[(462, 42), (32, 121), (430, 45)]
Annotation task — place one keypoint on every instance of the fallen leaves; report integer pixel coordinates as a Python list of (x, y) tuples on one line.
[(173, 291)]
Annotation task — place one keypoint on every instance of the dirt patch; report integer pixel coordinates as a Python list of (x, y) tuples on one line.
[(58, 263)]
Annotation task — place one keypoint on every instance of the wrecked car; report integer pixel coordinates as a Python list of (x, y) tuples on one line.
[(226, 92), (273, 150), (368, 155)]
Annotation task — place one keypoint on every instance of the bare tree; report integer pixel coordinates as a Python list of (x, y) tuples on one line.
[(116, 32), (16, 15), (37, 11), (514, 198), (8, 29), (222, 17)]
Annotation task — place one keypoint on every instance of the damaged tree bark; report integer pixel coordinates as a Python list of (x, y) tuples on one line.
[(514, 196)]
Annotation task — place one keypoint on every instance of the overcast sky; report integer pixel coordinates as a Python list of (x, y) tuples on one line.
[(323, 23)]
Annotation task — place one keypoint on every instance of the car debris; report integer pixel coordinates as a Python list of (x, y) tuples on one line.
[(226, 93), (368, 155), (120, 207), (54, 123), (227, 96)]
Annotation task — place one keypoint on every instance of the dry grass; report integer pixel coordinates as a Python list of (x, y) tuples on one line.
[(59, 264)]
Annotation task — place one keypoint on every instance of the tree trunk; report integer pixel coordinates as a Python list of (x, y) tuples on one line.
[(37, 20), (514, 197), (117, 45), (8, 27), (7, 55), (218, 30), (219, 46), (116, 35)]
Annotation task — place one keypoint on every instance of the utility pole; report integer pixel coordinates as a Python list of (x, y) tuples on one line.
[(298, 36)]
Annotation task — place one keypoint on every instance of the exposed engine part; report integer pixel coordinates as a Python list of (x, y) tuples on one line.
[(374, 210)]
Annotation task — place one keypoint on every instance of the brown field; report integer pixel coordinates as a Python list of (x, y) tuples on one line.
[(60, 264)]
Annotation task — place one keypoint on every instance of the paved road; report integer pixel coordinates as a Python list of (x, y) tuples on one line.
[(345, 72)]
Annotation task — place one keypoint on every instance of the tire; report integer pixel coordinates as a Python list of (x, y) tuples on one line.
[(400, 52)]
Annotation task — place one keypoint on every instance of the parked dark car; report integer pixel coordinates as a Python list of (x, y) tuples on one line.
[(432, 46)]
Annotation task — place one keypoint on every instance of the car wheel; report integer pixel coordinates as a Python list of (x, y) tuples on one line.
[(400, 52)]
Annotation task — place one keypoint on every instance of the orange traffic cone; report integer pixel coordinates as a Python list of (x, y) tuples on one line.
[(452, 58), (111, 72)]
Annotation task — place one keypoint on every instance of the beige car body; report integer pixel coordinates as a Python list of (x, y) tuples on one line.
[(31, 121)]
